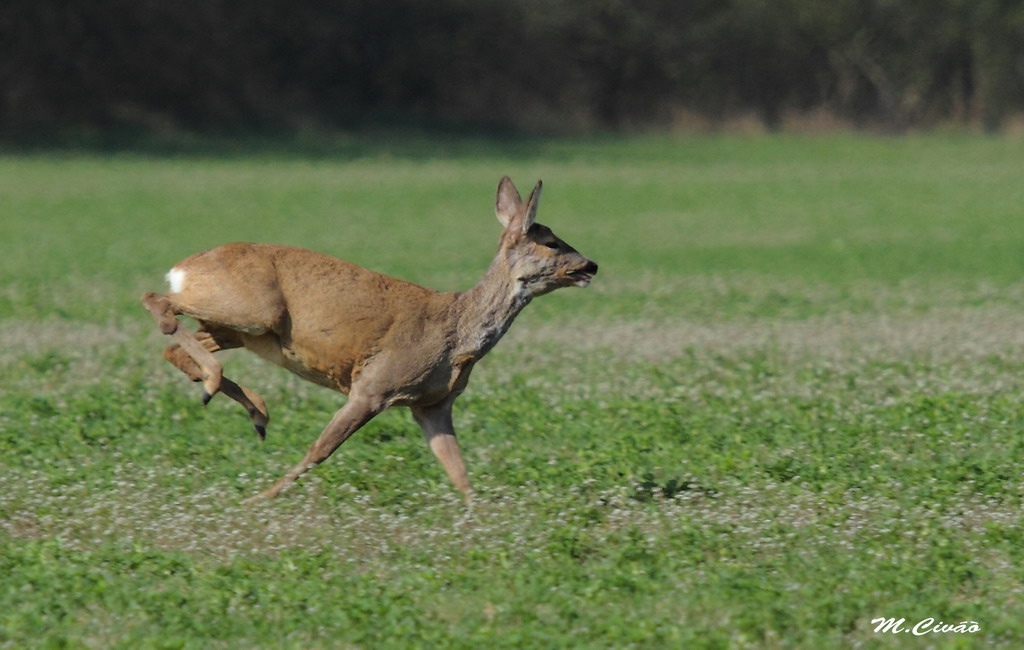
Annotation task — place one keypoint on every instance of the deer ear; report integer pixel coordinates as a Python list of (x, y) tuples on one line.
[(531, 206), (508, 202)]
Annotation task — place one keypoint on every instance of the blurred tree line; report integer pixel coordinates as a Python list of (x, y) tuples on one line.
[(534, 65)]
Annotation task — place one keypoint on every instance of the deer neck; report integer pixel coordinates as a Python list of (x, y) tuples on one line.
[(485, 312)]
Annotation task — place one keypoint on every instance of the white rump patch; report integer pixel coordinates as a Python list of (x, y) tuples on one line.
[(176, 278)]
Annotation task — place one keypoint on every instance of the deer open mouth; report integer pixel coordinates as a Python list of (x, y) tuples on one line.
[(580, 277)]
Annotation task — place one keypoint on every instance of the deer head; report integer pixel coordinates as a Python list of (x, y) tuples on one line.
[(537, 260)]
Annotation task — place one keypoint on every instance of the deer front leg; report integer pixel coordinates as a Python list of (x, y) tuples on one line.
[(436, 422), (346, 421)]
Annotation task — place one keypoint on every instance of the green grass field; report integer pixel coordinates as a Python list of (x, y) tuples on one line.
[(790, 403)]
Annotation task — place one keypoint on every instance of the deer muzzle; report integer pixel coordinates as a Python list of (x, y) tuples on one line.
[(581, 277)]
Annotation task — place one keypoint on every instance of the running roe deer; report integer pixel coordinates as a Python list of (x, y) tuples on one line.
[(382, 341)]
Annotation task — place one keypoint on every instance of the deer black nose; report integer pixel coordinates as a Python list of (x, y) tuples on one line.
[(590, 268)]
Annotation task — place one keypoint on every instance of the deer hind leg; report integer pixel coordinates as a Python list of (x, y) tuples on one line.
[(214, 341), (163, 311)]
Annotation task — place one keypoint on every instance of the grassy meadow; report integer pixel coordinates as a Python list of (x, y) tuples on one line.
[(791, 402)]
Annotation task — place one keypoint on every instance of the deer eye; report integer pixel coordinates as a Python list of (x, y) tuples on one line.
[(552, 245)]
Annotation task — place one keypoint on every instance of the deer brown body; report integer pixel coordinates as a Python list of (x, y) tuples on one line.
[(382, 341)]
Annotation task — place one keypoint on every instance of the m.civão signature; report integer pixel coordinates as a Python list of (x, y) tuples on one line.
[(924, 626)]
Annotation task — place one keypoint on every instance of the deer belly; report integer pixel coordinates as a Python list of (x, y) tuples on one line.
[(331, 375)]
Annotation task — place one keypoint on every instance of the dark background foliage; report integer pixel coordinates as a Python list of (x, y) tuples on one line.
[(551, 66)]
